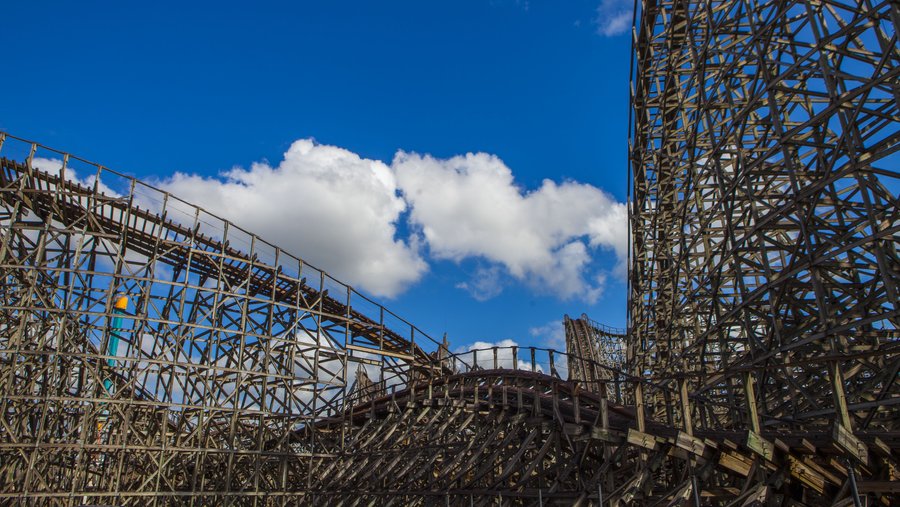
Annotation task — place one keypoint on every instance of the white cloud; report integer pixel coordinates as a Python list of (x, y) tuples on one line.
[(485, 284), (326, 204), (469, 206), (506, 353), (614, 17), (551, 335), (340, 212), (490, 355)]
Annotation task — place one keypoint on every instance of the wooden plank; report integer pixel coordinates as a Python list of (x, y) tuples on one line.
[(735, 462), (840, 399), (830, 477), (847, 441), (573, 429), (368, 350), (879, 486), (837, 466), (607, 435), (751, 401), (365, 360), (783, 447), (685, 406), (881, 448), (760, 445), (641, 439), (807, 446), (689, 443), (806, 475)]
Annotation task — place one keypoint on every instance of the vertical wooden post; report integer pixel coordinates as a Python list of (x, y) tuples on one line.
[(639, 406), (750, 389), (685, 406), (840, 399)]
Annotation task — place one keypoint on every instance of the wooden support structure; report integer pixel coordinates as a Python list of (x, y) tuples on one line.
[(759, 366)]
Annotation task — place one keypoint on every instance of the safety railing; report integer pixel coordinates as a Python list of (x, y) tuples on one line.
[(660, 395)]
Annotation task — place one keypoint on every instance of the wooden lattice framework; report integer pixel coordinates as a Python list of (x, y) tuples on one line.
[(600, 346), (152, 353), (764, 274), (222, 342)]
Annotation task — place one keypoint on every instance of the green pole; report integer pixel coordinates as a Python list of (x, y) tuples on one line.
[(112, 347)]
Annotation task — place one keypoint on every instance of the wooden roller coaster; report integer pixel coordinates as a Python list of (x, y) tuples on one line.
[(152, 353)]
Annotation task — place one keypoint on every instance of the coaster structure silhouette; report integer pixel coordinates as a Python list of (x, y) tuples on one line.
[(152, 353)]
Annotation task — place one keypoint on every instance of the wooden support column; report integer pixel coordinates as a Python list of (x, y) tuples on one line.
[(685, 406), (639, 406), (750, 389), (840, 399)]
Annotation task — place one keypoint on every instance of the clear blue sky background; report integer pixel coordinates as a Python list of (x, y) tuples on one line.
[(154, 88)]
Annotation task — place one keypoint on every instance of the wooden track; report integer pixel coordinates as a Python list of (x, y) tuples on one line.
[(759, 367)]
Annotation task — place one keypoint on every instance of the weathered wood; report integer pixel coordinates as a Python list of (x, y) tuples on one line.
[(640, 439), (760, 364), (807, 475), (690, 444), (735, 462), (846, 441), (760, 445)]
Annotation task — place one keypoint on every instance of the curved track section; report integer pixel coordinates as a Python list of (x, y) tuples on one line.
[(485, 436), (599, 344)]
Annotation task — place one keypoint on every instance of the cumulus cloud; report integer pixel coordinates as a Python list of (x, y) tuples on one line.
[(469, 206), (330, 206), (614, 17), (341, 213)]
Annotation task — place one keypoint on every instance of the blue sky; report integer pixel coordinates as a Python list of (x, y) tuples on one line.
[(394, 95)]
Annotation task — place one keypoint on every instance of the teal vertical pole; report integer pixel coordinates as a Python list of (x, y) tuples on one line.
[(112, 348)]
